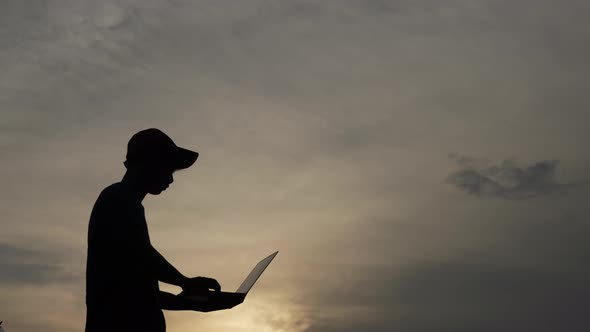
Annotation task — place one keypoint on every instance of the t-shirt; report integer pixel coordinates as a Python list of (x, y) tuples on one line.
[(121, 285)]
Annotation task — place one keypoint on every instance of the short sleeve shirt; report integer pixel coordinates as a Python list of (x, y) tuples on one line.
[(121, 286)]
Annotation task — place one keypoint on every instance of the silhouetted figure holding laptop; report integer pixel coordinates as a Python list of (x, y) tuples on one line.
[(122, 268)]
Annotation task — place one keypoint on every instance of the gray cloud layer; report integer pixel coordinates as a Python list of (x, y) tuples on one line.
[(22, 266), (519, 269), (323, 129)]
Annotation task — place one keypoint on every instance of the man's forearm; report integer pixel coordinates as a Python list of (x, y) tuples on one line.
[(174, 302), (165, 271), (170, 301)]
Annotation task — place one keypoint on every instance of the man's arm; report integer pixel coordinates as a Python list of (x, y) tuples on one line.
[(165, 272), (174, 302), (170, 301)]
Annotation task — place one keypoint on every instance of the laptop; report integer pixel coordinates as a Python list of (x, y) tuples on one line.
[(213, 300)]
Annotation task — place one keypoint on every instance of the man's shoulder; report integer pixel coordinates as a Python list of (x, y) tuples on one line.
[(117, 195), (110, 195), (112, 191), (112, 204)]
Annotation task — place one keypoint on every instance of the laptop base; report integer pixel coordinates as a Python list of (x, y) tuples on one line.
[(212, 300)]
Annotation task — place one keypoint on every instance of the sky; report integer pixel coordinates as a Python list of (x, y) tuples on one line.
[(421, 165)]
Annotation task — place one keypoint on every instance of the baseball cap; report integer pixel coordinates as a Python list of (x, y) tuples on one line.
[(153, 146)]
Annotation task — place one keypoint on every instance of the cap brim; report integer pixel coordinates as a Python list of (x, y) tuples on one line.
[(185, 158)]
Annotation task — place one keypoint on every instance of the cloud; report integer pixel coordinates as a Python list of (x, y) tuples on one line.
[(469, 295), (21, 266), (312, 117), (506, 180)]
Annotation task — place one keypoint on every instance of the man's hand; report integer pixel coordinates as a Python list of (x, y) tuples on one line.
[(198, 284)]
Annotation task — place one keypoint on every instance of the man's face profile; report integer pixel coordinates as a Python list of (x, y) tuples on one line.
[(157, 178)]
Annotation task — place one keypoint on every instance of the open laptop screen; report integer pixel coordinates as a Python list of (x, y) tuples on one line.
[(255, 274)]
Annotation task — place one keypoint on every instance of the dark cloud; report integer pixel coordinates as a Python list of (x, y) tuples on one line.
[(477, 291), (471, 296), (24, 266), (465, 295), (520, 268), (506, 180)]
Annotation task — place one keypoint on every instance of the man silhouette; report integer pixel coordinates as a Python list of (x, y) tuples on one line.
[(122, 267)]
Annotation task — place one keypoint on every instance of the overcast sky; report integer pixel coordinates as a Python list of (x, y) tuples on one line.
[(421, 165)]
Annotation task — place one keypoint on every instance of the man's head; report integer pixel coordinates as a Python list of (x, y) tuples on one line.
[(153, 157)]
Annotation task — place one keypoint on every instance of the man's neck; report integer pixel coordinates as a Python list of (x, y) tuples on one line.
[(134, 185)]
